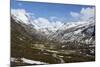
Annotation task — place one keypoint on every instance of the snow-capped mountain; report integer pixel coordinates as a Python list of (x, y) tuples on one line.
[(20, 15), (75, 32), (81, 31), (40, 24)]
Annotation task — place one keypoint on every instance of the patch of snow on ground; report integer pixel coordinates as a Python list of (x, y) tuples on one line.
[(32, 61), (28, 61)]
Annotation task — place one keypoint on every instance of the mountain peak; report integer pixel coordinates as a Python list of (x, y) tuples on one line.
[(20, 15)]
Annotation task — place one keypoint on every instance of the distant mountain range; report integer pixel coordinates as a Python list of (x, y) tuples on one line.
[(74, 34)]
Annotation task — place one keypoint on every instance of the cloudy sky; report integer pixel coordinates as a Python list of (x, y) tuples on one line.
[(61, 12)]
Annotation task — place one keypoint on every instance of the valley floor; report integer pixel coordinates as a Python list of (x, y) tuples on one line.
[(40, 56)]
